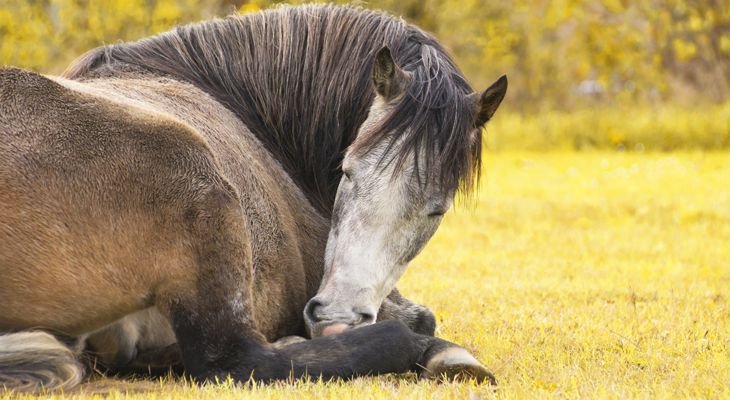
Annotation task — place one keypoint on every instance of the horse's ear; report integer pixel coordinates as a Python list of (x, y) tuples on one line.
[(389, 79), (488, 102)]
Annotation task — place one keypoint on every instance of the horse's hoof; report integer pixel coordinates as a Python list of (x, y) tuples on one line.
[(456, 364)]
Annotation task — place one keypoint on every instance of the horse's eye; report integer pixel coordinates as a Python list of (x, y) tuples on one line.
[(346, 174), (438, 213)]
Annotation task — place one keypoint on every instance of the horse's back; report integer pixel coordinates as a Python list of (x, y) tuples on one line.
[(94, 197)]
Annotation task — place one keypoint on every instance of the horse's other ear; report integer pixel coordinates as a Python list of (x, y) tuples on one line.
[(488, 102), (389, 79)]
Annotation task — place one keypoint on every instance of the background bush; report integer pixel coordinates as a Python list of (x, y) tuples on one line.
[(648, 75)]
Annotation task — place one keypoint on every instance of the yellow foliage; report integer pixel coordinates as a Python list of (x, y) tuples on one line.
[(725, 44), (641, 51), (685, 50)]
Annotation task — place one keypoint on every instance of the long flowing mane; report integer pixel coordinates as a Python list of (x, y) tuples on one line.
[(300, 79)]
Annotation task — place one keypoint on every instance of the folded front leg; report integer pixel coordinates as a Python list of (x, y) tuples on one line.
[(417, 317), (385, 347)]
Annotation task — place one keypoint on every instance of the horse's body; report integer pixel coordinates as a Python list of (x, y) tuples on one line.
[(135, 126), (287, 236), (147, 204)]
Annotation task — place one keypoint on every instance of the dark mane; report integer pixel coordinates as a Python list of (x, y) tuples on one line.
[(300, 79)]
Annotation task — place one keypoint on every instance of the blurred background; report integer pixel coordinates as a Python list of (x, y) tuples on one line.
[(584, 74)]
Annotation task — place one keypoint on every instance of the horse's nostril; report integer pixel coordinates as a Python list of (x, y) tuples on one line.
[(319, 312), (310, 310), (366, 319)]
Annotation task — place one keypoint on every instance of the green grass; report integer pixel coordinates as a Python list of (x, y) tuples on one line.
[(576, 275)]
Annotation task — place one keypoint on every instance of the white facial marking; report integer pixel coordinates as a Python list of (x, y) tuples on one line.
[(380, 222)]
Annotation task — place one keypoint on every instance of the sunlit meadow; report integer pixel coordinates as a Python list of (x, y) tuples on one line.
[(577, 275)]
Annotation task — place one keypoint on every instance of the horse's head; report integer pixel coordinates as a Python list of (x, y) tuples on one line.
[(419, 145)]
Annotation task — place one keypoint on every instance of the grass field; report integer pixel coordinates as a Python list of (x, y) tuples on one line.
[(576, 275)]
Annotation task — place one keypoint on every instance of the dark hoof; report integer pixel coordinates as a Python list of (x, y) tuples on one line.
[(456, 364)]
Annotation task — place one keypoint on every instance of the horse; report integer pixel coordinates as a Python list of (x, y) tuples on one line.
[(232, 183)]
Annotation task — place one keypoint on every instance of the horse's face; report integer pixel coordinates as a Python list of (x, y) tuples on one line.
[(385, 211)]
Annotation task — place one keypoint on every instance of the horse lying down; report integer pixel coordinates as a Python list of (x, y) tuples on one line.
[(196, 190)]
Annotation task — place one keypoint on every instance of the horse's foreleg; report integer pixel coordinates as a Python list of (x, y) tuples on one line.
[(210, 313), (417, 317), (385, 347)]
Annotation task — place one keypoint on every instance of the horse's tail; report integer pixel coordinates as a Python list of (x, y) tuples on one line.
[(36, 361)]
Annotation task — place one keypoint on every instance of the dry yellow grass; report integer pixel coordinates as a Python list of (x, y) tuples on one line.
[(577, 275)]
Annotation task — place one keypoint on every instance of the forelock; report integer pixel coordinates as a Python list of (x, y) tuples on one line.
[(433, 121)]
